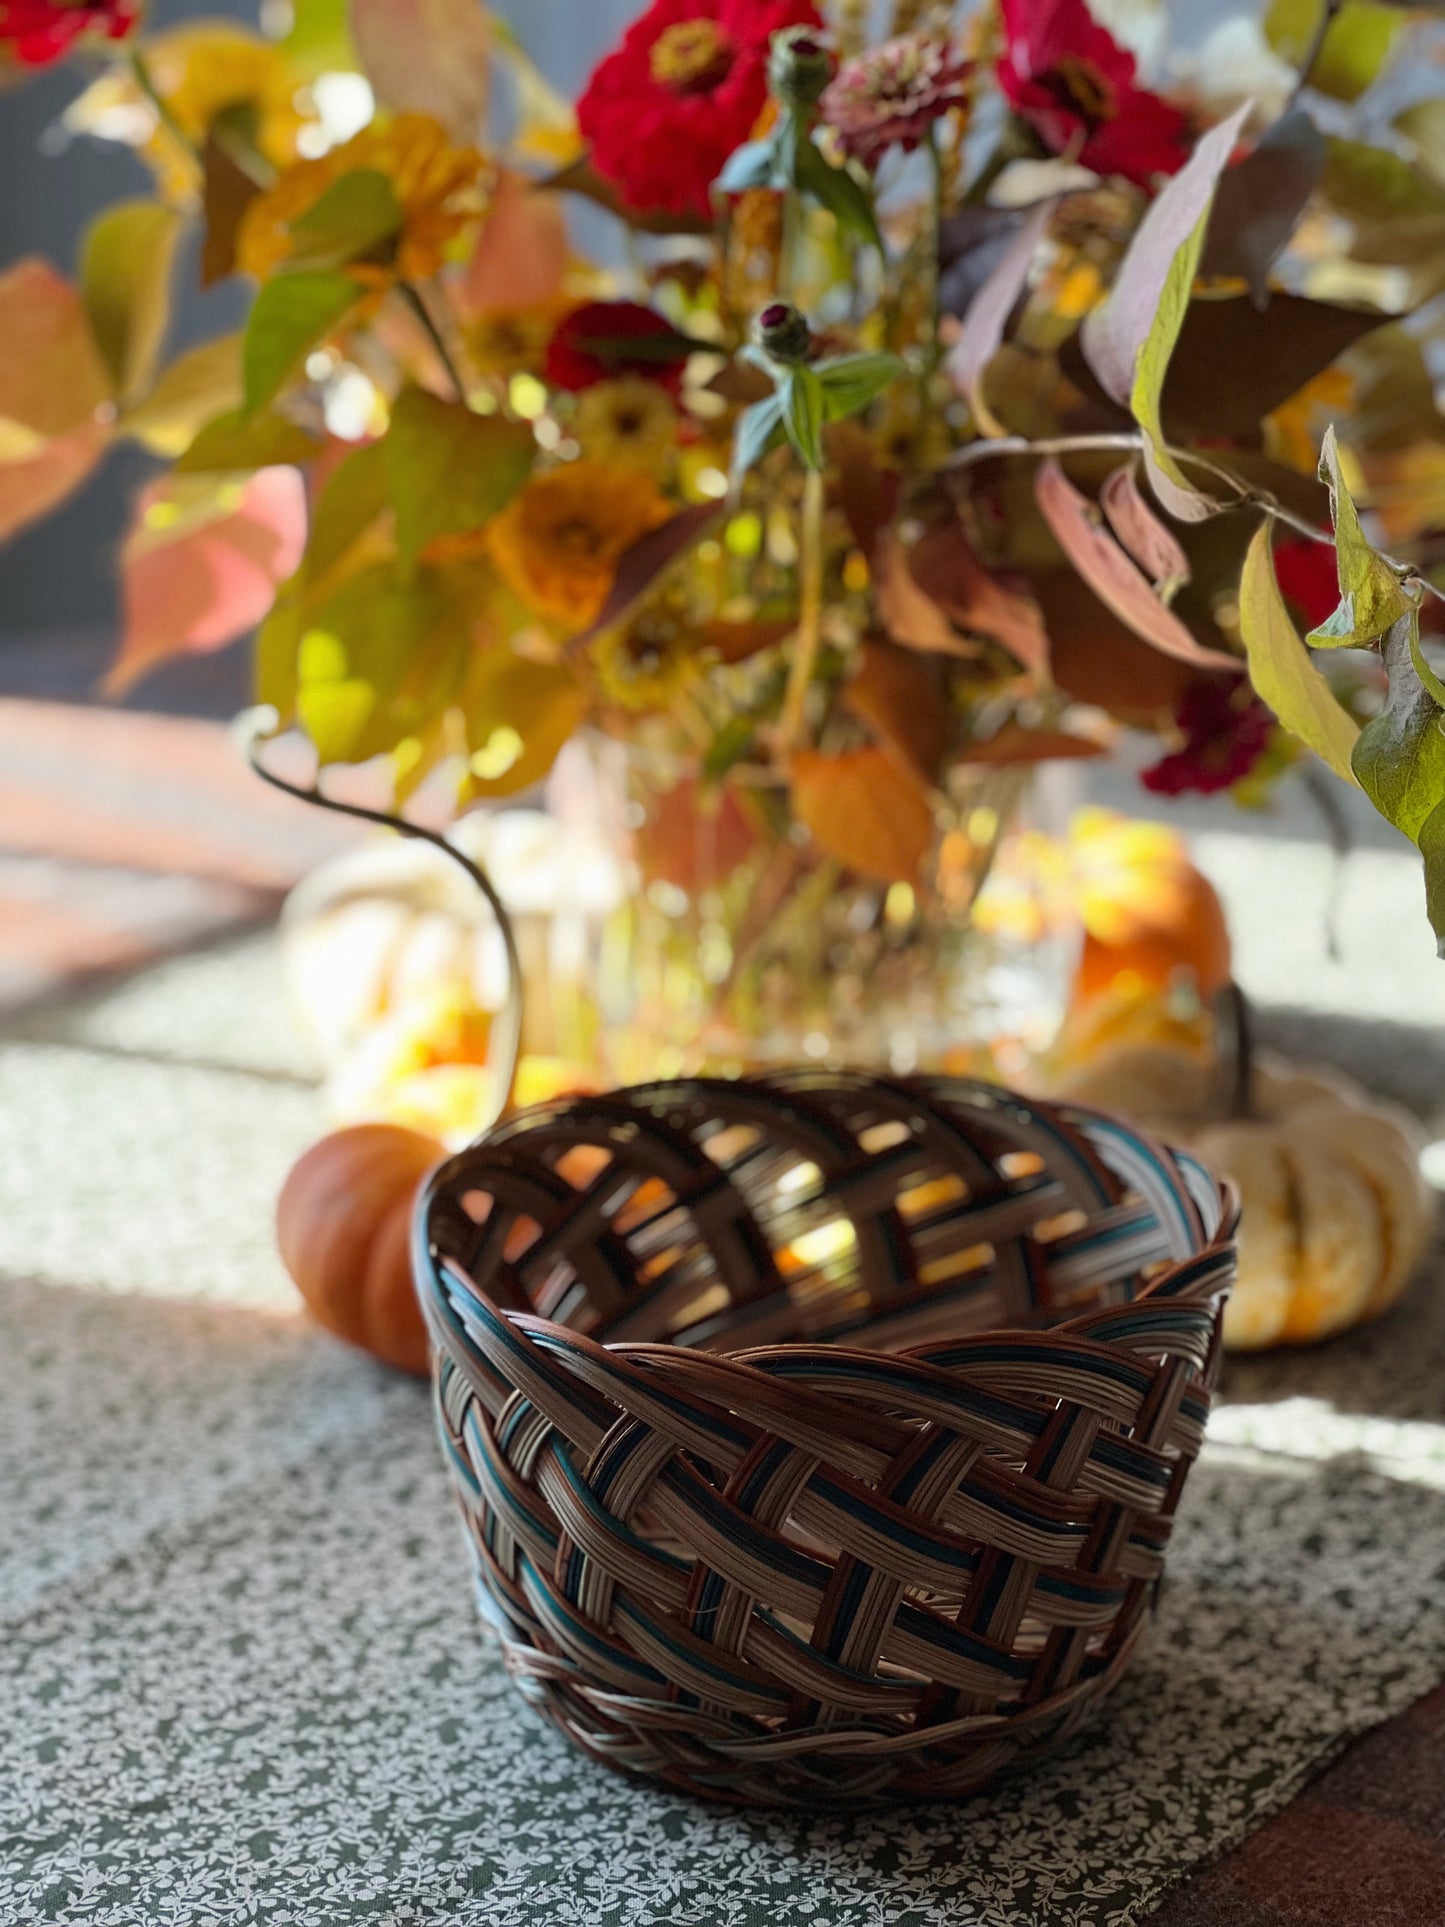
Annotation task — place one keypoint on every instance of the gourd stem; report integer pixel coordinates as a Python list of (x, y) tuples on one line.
[(1236, 1032), (510, 1046)]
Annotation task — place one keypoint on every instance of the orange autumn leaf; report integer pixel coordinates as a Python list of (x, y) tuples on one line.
[(521, 254), (54, 393), (201, 564), (865, 809), (900, 696)]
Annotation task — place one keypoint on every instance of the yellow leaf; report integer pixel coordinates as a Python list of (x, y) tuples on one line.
[(1280, 666)]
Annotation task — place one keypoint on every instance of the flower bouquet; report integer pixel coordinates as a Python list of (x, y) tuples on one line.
[(1006, 390)]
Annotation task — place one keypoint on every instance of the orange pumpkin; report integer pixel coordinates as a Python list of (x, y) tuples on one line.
[(1150, 917), (343, 1222)]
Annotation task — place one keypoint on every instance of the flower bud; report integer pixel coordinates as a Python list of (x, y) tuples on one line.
[(783, 334), (800, 65)]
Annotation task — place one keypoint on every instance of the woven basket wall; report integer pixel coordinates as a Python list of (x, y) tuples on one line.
[(818, 1437)]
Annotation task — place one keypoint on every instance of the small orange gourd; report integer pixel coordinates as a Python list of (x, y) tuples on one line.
[(1150, 917), (343, 1223)]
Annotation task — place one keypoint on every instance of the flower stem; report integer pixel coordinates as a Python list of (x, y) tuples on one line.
[(935, 250), (165, 113), (413, 298), (810, 612)]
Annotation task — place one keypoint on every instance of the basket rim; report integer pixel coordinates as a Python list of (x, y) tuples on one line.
[(427, 1265)]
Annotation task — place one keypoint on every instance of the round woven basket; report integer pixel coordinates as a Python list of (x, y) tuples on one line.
[(818, 1436)]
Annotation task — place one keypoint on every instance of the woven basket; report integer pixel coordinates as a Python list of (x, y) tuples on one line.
[(818, 1437)]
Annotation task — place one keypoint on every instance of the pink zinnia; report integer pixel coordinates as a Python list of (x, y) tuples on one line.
[(891, 95)]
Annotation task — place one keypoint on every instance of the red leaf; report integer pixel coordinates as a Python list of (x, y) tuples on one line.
[(1015, 744), (866, 492), (428, 57), (31, 489), (911, 617), (987, 316), (1153, 546), (202, 564), (1114, 335), (1116, 581), (897, 694), (649, 556), (946, 569)]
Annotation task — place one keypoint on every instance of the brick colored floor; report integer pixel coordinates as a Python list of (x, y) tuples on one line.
[(1362, 1846), (125, 834)]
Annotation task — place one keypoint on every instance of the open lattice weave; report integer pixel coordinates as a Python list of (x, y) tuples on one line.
[(729, 1531)]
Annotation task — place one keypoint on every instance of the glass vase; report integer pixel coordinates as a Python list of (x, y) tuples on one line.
[(738, 945)]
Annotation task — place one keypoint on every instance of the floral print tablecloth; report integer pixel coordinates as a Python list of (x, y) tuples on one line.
[(240, 1677)]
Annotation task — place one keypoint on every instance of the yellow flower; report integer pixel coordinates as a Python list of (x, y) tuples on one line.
[(557, 544), (643, 664), (441, 189), (512, 341), (203, 72), (630, 420)]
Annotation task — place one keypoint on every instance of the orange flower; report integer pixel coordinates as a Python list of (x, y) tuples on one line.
[(439, 188), (558, 543)]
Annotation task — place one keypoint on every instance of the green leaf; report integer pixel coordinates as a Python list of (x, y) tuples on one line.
[(518, 715), (351, 221), (759, 429), (850, 382), (1397, 210), (125, 271), (1360, 40), (1423, 670), (278, 643), (762, 163), (237, 441), (838, 190), (1372, 598), (1432, 847), (450, 470), (800, 391), (291, 315), (1400, 756), (379, 660), (319, 41), (354, 496), (193, 390), (1129, 340), (729, 746), (1280, 666)]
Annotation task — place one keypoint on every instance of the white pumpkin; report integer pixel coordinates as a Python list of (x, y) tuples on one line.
[(1336, 1214), (394, 924)]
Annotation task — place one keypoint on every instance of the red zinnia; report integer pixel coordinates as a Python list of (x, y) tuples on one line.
[(36, 33), (686, 87), (1226, 731), (592, 344), (1074, 84)]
